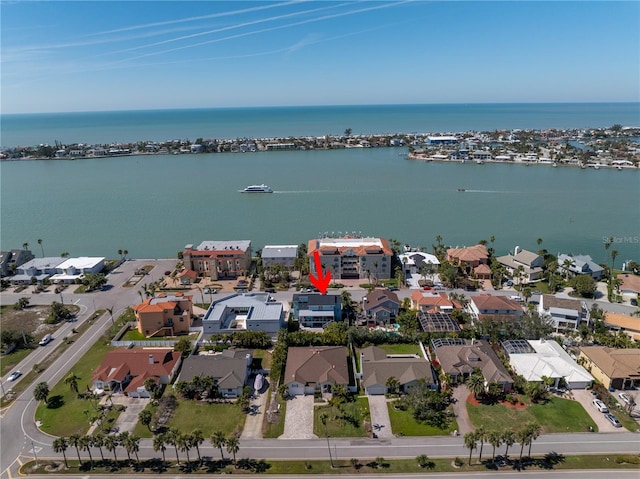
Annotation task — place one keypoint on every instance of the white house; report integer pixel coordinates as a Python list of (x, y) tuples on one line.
[(244, 312)]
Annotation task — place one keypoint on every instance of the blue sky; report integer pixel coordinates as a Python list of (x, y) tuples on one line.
[(118, 55)]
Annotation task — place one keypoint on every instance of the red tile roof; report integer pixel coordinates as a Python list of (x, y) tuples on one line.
[(469, 255), (136, 362)]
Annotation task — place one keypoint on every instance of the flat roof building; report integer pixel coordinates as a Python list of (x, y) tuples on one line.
[(244, 312)]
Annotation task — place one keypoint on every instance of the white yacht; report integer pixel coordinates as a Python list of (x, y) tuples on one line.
[(257, 189)]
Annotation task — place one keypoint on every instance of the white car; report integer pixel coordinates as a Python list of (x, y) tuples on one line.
[(14, 375), (625, 397), (600, 406)]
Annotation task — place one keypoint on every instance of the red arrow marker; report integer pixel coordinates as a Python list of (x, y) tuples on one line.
[(322, 281)]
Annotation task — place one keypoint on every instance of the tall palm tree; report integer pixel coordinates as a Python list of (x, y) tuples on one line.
[(470, 442), (41, 247), (160, 444), (233, 446), (123, 440), (523, 437), (197, 438), (218, 440), (60, 444), (495, 439), (475, 383), (173, 438), (508, 439), (110, 310), (111, 443), (614, 255), (72, 380), (132, 444), (535, 430), (481, 435), (98, 441), (85, 443), (184, 443), (74, 440)]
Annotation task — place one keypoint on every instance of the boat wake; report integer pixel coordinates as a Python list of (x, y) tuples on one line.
[(484, 191), (300, 192)]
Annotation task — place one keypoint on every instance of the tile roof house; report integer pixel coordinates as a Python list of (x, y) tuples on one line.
[(496, 308), (164, 315), (564, 313), (461, 358), (381, 306), (315, 310), (614, 368), (229, 370), (244, 312), (579, 264), (622, 322), (218, 259), (482, 271), (377, 367), (471, 256), (629, 284), (315, 368), (529, 263), (352, 258), (125, 370), (433, 302)]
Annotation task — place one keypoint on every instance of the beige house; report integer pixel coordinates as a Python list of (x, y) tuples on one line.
[(622, 322), (614, 368), (164, 315), (471, 256), (218, 259), (314, 369)]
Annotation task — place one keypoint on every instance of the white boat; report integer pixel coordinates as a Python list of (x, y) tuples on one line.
[(257, 189)]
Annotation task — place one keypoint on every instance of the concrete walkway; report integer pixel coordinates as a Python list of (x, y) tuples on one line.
[(253, 424), (128, 418), (460, 395), (298, 421), (380, 422)]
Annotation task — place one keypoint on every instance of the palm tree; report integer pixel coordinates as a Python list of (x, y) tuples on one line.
[(132, 444), (123, 439), (218, 440), (470, 442), (475, 383), (110, 309), (481, 435), (74, 440), (145, 418), (159, 444), (111, 443), (522, 436), (508, 439), (173, 438), (535, 430), (495, 439), (184, 443), (72, 381), (41, 392), (614, 255), (41, 247), (392, 384), (85, 443), (233, 446), (98, 441), (60, 444), (423, 460), (197, 438)]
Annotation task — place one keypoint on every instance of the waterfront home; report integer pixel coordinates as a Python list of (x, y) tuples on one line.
[(282, 255), (563, 313), (126, 370), (352, 258), (629, 285), (317, 368), (579, 264), (381, 306), (537, 359), (229, 370), (494, 308), (73, 269), (432, 301), (442, 140), (10, 260), (315, 310), (416, 262), (38, 268), (471, 256), (613, 368), (527, 264), (630, 325), (376, 367), (218, 259), (164, 315), (244, 312), (460, 358)]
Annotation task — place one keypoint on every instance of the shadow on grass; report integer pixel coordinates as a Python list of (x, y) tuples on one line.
[(55, 402), (547, 462)]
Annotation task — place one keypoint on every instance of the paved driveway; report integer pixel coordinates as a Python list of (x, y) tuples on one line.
[(380, 422), (585, 398), (298, 420)]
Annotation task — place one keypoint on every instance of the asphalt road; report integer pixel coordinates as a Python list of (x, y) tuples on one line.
[(20, 438)]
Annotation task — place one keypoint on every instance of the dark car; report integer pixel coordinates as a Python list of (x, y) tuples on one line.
[(270, 290)]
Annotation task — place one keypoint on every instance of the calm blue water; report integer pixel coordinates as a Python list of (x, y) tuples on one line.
[(161, 125), (154, 205)]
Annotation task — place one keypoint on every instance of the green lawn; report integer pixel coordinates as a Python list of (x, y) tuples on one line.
[(401, 348), (275, 430), (558, 415), (190, 415), (403, 424), (339, 427), (9, 361)]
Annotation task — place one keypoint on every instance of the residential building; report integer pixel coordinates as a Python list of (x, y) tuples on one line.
[(316, 368), (564, 313), (579, 264), (524, 265), (629, 285), (282, 255), (629, 325), (433, 301), (244, 312), (471, 256), (229, 370), (376, 367), (315, 310), (417, 262), (218, 259), (494, 308), (126, 370), (73, 269), (460, 358), (535, 360), (11, 260), (164, 315), (381, 306), (352, 258), (614, 368), (38, 268)]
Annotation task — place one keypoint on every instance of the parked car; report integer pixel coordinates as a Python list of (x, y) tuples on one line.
[(625, 397), (46, 340), (613, 420), (14, 375), (600, 406), (270, 290)]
